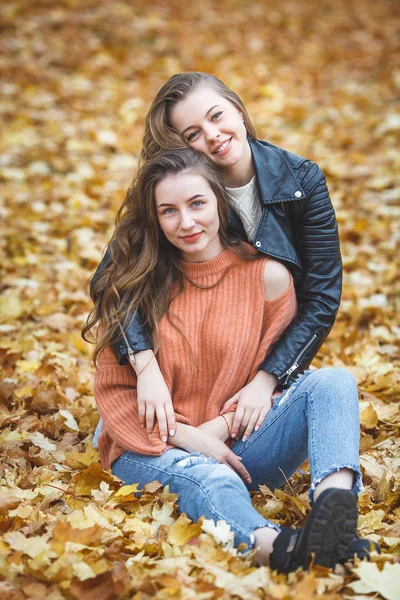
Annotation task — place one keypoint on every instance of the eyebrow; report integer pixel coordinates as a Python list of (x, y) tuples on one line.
[(188, 200), (205, 116)]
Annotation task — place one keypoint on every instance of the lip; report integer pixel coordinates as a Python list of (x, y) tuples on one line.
[(191, 238), (225, 150)]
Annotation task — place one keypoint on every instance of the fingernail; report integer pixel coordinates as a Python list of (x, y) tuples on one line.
[(148, 435), (164, 438), (244, 439), (248, 480), (233, 435), (256, 428), (171, 432)]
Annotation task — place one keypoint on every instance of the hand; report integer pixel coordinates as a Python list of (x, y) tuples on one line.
[(153, 397), (193, 439), (254, 402)]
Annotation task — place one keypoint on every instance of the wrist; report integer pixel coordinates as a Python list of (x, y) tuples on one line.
[(144, 360), (268, 378), (225, 428), (230, 416), (182, 437)]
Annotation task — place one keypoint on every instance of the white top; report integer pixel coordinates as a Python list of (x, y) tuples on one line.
[(245, 202)]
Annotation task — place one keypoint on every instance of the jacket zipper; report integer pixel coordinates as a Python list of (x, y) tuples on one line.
[(296, 363), (131, 354)]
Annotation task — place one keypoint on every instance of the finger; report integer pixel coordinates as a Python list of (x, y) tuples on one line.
[(238, 466), (237, 421), (246, 418), (162, 423), (261, 417), (250, 425), (149, 419), (141, 412), (169, 411), (228, 404)]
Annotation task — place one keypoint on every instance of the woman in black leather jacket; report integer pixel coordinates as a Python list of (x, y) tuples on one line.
[(283, 209)]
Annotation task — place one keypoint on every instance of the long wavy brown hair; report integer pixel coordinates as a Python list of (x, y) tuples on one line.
[(159, 133), (143, 272)]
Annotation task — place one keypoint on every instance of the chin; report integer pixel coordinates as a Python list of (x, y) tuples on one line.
[(231, 161), (193, 249), (233, 157)]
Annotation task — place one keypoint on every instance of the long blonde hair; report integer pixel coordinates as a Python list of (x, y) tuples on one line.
[(144, 267), (158, 133)]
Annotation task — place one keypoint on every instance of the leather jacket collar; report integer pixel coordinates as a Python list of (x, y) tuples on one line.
[(276, 179)]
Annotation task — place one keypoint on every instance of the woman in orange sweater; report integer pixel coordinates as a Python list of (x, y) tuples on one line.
[(215, 308)]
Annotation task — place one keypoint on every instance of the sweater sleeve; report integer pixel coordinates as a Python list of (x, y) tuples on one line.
[(115, 395)]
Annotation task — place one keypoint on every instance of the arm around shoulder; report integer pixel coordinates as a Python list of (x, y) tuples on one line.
[(277, 279)]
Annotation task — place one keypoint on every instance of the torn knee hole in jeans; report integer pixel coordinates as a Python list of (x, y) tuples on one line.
[(194, 459), (282, 398)]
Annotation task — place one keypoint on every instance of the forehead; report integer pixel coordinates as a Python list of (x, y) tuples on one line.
[(193, 108), (180, 187)]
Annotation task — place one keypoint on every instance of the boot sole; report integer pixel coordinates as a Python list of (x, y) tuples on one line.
[(330, 530)]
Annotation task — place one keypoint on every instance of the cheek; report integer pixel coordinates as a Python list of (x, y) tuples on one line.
[(166, 226), (214, 219), (198, 144)]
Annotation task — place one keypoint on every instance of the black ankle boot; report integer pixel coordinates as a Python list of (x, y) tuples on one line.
[(282, 559), (329, 531)]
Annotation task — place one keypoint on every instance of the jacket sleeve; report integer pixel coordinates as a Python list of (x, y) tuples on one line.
[(136, 333), (319, 291)]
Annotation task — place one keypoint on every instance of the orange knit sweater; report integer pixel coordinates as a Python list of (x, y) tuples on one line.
[(230, 329)]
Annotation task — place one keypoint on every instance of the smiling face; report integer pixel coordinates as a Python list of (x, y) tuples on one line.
[(187, 211), (211, 124)]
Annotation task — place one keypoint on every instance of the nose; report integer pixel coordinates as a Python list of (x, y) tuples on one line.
[(212, 132), (187, 221)]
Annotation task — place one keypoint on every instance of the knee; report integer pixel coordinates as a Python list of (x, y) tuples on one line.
[(336, 376), (335, 384)]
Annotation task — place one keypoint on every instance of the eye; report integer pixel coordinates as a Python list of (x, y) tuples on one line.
[(192, 136), (197, 203), (217, 115), (168, 211)]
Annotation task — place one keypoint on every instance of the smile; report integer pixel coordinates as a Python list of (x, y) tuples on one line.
[(191, 238), (223, 147)]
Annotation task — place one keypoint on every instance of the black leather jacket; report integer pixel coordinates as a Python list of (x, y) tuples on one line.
[(298, 227)]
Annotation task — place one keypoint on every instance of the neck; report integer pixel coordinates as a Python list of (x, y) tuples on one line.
[(239, 174)]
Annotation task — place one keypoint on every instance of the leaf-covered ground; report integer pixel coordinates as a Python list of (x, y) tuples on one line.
[(320, 78)]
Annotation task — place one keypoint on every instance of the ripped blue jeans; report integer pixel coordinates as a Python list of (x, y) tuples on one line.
[(316, 418)]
